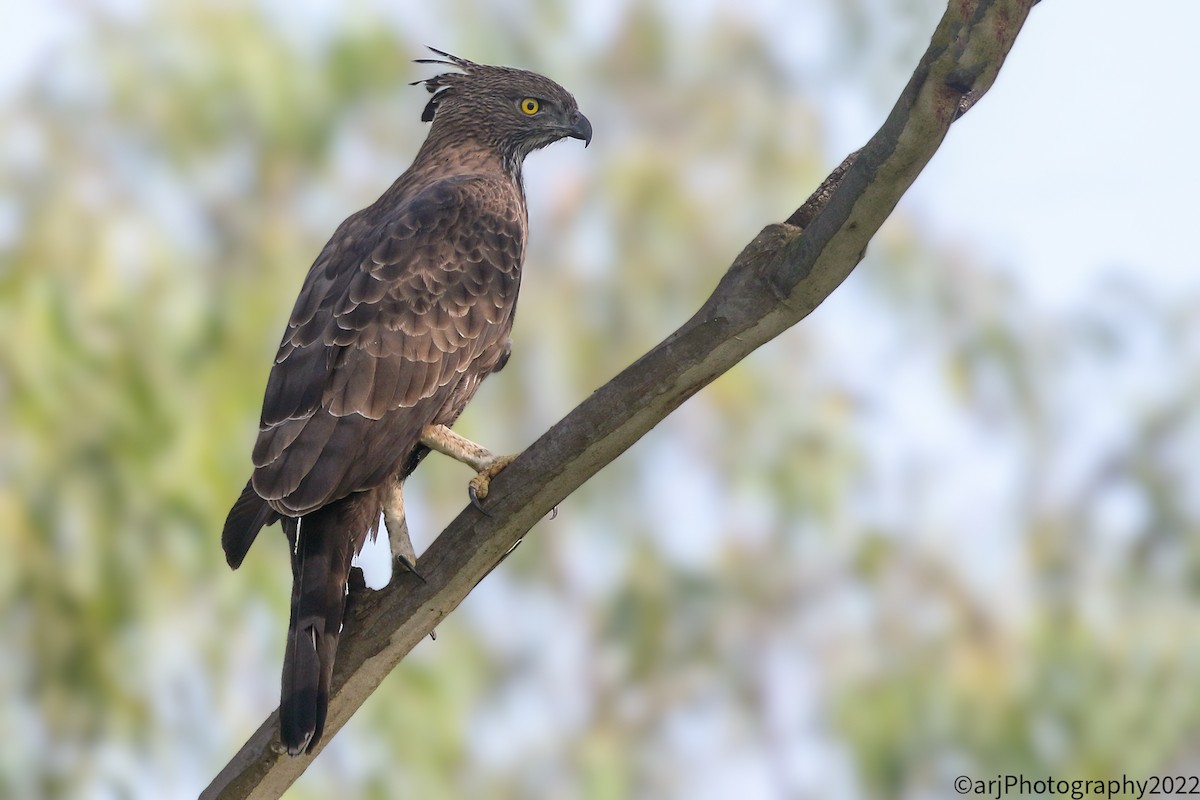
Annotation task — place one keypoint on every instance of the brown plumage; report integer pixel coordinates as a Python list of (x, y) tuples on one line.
[(405, 311)]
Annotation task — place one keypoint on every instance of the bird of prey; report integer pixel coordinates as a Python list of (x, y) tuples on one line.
[(402, 315)]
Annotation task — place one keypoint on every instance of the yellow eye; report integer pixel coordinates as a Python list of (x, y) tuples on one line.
[(530, 106)]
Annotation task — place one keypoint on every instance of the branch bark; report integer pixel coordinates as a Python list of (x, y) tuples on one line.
[(777, 280)]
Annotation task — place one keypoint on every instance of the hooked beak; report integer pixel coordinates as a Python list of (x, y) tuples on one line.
[(581, 129)]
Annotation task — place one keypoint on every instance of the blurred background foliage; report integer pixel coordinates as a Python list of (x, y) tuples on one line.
[(934, 530)]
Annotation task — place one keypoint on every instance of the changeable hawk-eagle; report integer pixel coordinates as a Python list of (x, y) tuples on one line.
[(405, 311)]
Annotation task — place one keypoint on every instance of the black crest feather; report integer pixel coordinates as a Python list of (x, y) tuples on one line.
[(440, 85)]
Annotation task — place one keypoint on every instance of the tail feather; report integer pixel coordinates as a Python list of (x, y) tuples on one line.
[(324, 543)]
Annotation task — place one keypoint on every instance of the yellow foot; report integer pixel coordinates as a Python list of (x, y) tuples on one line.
[(478, 488)]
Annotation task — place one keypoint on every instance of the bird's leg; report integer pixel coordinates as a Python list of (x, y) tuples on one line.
[(403, 554), (486, 464)]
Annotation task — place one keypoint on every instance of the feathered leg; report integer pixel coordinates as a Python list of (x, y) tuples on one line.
[(486, 464), (403, 554)]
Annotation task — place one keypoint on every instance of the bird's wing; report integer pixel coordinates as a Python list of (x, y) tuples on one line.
[(390, 318)]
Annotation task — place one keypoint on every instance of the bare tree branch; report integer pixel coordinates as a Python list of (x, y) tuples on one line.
[(777, 280)]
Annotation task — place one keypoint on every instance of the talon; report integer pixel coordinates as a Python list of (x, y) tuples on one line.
[(473, 493), (403, 561), (481, 483)]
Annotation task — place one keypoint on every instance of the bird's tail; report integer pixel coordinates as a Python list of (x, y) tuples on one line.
[(323, 544)]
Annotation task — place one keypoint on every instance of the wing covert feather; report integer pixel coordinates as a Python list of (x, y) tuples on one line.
[(396, 313)]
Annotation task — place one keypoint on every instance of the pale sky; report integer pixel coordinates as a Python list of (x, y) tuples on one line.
[(1083, 156)]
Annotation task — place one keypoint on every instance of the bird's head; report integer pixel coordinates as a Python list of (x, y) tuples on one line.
[(512, 109)]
